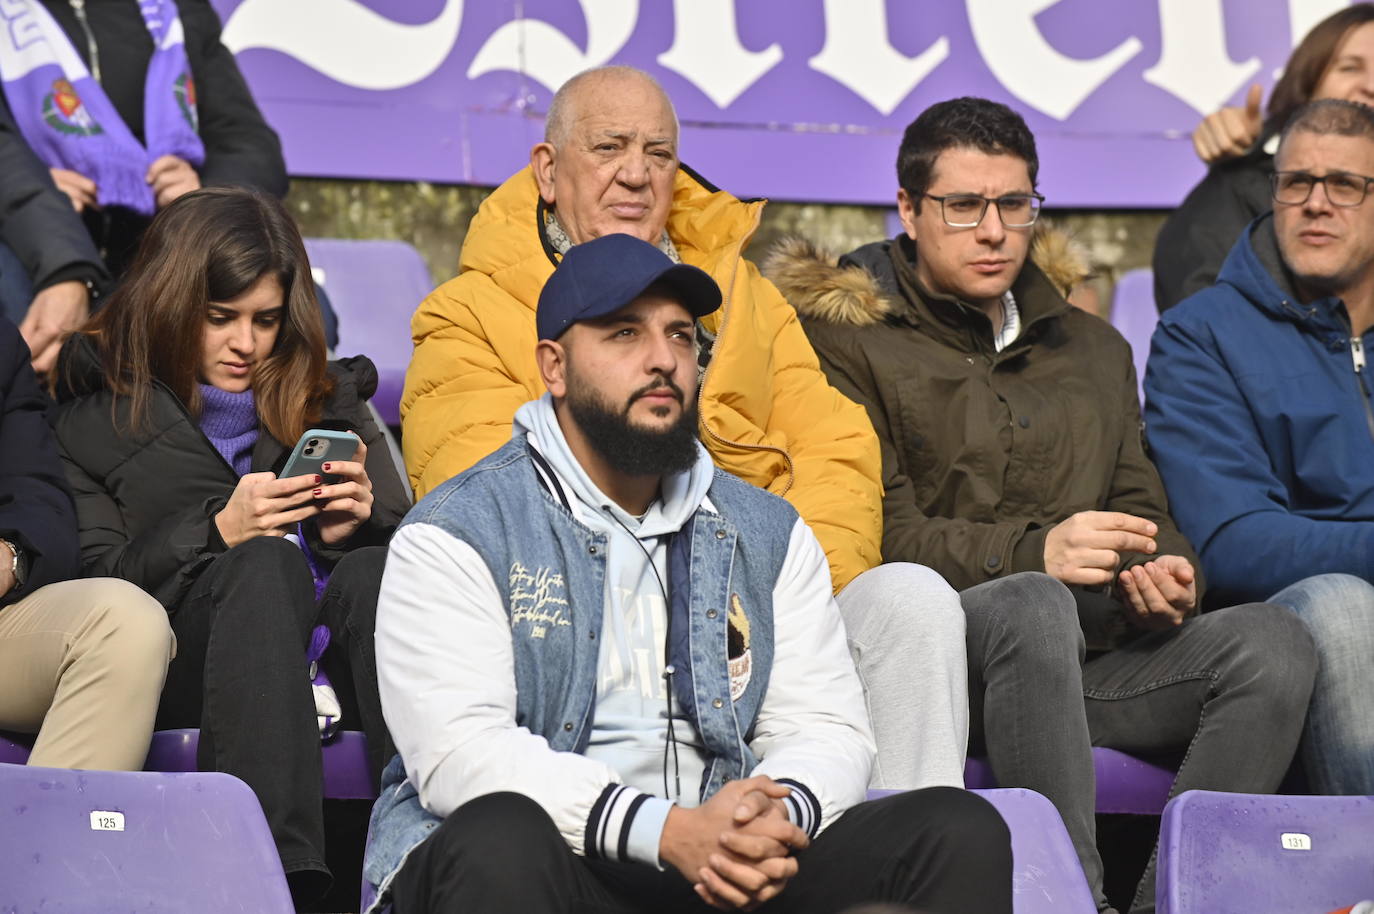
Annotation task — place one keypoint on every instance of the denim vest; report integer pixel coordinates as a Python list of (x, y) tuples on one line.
[(551, 572)]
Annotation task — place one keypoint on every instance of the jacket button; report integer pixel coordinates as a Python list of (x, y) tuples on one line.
[(591, 635), (1025, 421), (720, 534), (568, 727), (717, 703), (591, 550), (994, 561), (711, 613)]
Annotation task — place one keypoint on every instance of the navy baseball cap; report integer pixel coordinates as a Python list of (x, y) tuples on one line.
[(605, 274)]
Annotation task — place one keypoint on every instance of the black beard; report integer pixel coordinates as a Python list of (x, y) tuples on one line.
[(627, 447)]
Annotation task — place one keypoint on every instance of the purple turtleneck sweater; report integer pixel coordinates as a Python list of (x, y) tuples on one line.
[(230, 421)]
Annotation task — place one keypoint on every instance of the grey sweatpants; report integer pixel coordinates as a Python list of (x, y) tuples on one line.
[(905, 627)]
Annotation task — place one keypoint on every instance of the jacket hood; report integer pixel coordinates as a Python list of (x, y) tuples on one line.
[(680, 496), (861, 288), (1256, 270), (78, 369)]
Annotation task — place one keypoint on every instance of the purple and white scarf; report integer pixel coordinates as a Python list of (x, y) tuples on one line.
[(70, 122)]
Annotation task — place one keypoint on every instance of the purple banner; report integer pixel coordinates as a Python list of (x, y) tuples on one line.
[(789, 99)]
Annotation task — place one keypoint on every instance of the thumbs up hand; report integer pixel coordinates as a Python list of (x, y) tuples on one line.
[(1230, 132)]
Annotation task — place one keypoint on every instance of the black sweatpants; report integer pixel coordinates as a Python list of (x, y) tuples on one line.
[(939, 850), (241, 676)]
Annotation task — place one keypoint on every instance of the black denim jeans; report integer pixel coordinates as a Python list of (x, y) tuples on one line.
[(1226, 692), (241, 676), (940, 850)]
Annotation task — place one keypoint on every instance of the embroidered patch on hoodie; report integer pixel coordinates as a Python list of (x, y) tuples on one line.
[(737, 643)]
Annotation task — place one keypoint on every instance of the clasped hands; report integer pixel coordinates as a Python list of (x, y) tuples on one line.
[(1086, 549), (736, 848)]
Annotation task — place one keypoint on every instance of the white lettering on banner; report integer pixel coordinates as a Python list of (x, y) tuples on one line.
[(345, 40), (707, 51), (356, 46), (1028, 66), (1194, 64), (859, 55), (1303, 14), (547, 55)]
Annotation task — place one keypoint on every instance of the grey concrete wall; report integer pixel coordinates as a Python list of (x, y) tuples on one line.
[(434, 218)]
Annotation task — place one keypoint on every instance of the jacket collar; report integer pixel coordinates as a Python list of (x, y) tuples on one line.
[(1256, 270), (876, 283), (507, 241)]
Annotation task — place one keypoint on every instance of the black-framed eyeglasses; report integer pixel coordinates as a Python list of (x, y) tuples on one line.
[(967, 210), (1342, 188)]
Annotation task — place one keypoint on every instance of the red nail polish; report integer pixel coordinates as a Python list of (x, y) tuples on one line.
[(318, 480), (318, 491), (325, 467)]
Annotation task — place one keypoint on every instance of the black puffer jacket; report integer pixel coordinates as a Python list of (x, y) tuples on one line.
[(37, 220), (1197, 236), (146, 502)]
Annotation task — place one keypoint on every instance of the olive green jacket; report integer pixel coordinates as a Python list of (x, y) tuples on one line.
[(983, 451)]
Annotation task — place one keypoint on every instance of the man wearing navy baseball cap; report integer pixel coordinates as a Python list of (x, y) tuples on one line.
[(616, 675)]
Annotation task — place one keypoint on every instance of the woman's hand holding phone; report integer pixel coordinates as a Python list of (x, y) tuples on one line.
[(346, 505), (263, 505)]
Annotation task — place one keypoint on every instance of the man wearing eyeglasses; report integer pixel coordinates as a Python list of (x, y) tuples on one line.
[(1261, 422), (1012, 458)]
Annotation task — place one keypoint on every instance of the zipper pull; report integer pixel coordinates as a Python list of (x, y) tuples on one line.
[(1357, 354)]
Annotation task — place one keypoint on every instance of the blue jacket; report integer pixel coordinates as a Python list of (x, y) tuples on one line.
[(1258, 413), (513, 536)]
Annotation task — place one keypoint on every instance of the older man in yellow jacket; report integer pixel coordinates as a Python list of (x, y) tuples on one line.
[(767, 414)]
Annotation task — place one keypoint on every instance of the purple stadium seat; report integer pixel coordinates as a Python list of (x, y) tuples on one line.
[(1134, 315), (1125, 784), (346, 773), (14, 748), (374, 286), (1247, 852), (86, 841), (1046, 875)]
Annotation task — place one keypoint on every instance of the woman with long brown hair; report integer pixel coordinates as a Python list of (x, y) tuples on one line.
[(178, 406), (1334, 60)]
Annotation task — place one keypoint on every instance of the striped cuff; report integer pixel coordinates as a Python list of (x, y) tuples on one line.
[(625, 826), (802, 807)]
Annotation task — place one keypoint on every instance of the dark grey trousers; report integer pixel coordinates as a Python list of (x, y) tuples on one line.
[(1227, 692)]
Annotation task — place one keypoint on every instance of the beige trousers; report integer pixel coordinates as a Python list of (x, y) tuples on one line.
[(82, 664)]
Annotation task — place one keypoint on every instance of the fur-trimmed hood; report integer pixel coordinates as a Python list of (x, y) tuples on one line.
[(813, 280)]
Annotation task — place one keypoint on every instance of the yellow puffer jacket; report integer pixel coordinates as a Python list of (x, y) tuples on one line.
[(767, 413)]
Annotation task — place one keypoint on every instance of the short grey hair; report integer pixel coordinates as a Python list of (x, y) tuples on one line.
[(1331, 116), (558, 121)]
